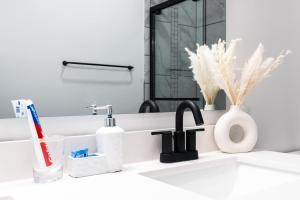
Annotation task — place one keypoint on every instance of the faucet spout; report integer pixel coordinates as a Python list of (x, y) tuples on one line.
[(151, 104), (180, 111)]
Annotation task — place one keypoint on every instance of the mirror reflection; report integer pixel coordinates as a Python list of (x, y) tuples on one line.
[(68, 57), (176, 25)]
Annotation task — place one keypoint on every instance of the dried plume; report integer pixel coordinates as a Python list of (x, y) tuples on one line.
[(202, 63), (254, 71)]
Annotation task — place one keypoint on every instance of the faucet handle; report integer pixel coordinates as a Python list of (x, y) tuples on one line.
[(191, 139), (161, 132), (166, 142), (195, 130)]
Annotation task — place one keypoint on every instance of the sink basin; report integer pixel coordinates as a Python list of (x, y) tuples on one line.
[(221, 179)]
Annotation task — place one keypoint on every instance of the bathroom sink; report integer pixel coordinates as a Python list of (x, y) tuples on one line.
[(227, 178)]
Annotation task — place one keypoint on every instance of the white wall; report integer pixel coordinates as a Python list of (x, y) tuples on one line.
[(275, 103), (37, 35)]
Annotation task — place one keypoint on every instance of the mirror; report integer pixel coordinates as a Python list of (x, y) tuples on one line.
[(98, 40), (174, 26)]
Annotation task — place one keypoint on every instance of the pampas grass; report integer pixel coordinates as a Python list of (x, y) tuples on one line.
[(202, 63), (255, 70), (223, 72)]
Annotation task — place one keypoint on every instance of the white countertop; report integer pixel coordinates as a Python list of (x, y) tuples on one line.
[(127, 184)]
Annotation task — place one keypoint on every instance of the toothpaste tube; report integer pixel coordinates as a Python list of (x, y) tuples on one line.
[(41, 150)]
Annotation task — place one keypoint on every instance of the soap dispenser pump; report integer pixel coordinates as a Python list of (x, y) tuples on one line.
[(109, 141)]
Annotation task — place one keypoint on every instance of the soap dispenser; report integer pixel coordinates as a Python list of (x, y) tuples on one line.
[(109, 141)]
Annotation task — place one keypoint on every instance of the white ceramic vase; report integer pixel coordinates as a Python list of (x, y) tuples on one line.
[(209, 107), (236, 117)]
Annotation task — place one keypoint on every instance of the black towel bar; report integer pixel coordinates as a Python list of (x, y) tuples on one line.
[(65, 63)]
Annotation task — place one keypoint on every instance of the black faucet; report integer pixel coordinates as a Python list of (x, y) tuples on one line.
[(151, 104), (184, 143)]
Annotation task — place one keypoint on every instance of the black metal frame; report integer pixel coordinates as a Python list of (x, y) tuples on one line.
[(65, 63), (153, 11)]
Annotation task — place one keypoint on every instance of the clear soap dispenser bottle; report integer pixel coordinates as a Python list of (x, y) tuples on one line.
[(109, 141)]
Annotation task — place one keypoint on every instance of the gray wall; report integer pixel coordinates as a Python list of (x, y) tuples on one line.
[(36, 36), (274, 103)]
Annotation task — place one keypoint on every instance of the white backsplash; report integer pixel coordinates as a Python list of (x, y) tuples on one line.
[(139, 144)]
